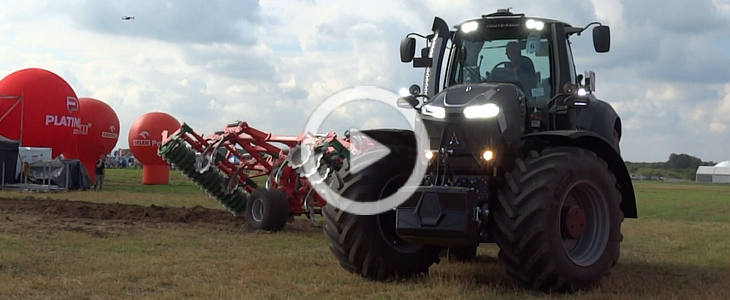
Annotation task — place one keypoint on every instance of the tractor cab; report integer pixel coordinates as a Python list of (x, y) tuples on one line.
[(531, 53)]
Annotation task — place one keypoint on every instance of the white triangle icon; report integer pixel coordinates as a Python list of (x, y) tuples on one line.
[(364, 151)]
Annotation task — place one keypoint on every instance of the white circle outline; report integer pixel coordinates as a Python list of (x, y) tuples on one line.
[(359, 93)]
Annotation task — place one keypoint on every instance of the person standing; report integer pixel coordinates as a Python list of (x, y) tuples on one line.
[(100, 165)]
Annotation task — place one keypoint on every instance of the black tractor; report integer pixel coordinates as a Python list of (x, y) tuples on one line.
[(521, 153)]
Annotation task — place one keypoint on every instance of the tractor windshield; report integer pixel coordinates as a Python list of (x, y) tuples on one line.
[(504, 55)]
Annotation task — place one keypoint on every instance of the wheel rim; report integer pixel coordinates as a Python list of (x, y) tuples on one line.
[(257, 210), (584, 223), (386, 221)]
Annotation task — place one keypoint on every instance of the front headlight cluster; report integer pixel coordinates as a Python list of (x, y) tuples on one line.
[(484, 111)]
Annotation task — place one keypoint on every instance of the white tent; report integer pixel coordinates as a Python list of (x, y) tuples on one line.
[(719, 173)]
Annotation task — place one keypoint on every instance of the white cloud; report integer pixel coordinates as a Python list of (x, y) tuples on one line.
[(270, 63)]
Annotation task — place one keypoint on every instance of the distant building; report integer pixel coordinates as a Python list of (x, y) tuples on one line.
[(719, 173)]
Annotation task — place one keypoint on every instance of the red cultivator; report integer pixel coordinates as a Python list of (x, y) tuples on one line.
[(226, 163)]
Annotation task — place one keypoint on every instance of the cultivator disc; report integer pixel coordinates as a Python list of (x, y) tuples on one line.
[(176, 152)]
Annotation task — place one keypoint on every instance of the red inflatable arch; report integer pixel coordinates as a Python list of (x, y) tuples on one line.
[(145, 135), (98, 133), (40, 109)]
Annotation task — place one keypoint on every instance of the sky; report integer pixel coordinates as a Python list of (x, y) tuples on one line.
[(270, 63)]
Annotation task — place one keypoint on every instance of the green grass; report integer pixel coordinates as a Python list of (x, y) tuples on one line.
[(128, 180), (678, 248), (687, 201)]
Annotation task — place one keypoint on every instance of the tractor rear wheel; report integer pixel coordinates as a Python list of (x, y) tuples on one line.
[(368, 245), (558, 219), (267, 210)]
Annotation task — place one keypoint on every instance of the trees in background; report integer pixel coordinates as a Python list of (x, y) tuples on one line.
[(679, 166)]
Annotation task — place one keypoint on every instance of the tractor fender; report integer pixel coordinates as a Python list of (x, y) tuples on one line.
[(601, 118), (599, 145)]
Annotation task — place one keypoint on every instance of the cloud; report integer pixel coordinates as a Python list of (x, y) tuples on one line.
[(270, 63), (183, 21)]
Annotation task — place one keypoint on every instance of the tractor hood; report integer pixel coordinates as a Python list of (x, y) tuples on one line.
[(469, 94), (474, 102), (476, 117)]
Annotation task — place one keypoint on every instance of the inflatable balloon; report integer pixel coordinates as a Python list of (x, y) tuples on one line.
[(145, 136), (39, 109), (97, 134)]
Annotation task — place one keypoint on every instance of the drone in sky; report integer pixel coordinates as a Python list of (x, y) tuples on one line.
[(127, 18)]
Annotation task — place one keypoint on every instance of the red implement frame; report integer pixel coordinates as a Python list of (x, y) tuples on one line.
[(252, 153)]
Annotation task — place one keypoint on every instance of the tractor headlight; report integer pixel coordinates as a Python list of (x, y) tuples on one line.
[(488, 155), (534, 24), (469, 26), (485, 111), (429, 154), (434, 111)]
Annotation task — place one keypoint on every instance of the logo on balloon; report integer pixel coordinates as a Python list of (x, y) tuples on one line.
[(62, 121), (72, 104), (145, 141), (82, 129), (112, 133)]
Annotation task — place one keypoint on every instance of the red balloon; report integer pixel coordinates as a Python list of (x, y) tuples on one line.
[(145, 136), (98, 133), (44, 114)]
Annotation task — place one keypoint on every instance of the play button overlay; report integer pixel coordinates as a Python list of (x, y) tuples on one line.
[(364, 152)]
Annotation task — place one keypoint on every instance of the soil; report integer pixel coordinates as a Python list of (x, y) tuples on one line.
[(47, 215), (104, 219), (117, 211)]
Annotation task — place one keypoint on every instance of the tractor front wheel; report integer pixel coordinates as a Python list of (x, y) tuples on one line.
[(558, 219), (368, 245)]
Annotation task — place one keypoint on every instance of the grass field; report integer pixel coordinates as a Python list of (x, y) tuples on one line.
[(678, 248)]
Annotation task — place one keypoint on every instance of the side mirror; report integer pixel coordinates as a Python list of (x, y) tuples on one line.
[(407, 49), (407, 102), (601, 38)]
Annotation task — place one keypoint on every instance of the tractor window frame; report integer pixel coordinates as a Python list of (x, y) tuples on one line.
[(571, 64), (522, 35)]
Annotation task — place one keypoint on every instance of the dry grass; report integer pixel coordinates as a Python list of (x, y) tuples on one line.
[(672, 254)]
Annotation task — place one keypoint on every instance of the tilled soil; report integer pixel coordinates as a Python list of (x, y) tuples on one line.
[(108, 220), (117, 211), (47, 215)]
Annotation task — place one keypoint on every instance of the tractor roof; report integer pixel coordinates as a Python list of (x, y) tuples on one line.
[(505, 14)]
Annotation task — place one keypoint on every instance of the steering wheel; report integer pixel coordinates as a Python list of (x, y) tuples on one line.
[(501, 65), (500, 71)]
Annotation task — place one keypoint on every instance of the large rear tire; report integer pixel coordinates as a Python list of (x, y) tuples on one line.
[(368, 245), (267, 210), (558, 219)]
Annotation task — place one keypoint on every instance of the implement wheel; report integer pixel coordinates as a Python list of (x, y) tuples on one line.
[(267, 210)]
